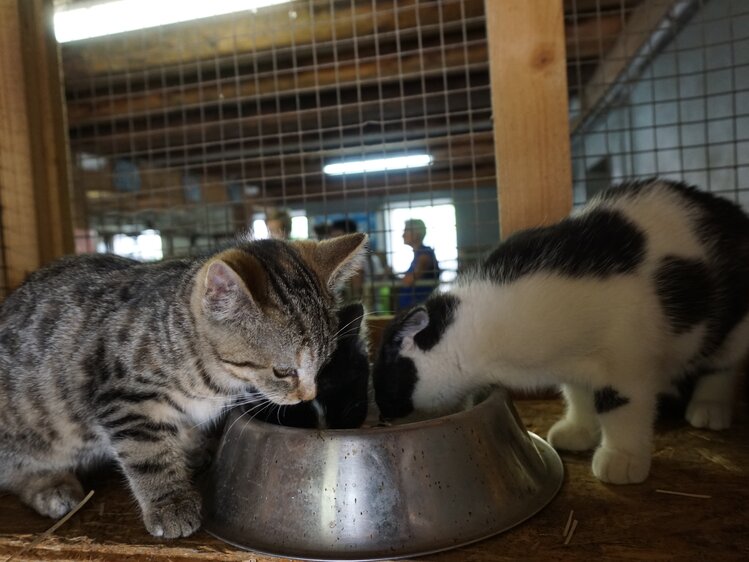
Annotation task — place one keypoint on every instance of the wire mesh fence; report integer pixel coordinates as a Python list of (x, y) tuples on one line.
[(669, 97), (185, 136)]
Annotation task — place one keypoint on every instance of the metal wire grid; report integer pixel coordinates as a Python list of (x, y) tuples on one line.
[(657, 87), (678, 108), (354, 78)]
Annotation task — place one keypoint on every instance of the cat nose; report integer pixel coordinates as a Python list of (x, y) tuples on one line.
[(306, 393)]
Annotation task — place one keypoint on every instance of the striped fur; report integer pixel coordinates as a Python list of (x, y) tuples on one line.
[(104, 357)]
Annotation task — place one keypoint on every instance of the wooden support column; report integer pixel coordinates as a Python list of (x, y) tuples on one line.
[(529, 104), (34, 179)]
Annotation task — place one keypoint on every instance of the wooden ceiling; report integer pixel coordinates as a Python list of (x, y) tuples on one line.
[(267, 98)]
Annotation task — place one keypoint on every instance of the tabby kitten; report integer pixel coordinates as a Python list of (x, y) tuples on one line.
[(644, 288), (342, 384), (104, 357)]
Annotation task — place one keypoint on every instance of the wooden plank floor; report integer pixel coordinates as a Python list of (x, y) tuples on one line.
[(615, 522)]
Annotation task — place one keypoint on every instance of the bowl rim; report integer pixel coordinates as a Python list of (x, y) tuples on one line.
[(494, 394)]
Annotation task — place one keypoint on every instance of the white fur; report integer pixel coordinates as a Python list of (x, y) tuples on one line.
[(546, 329)]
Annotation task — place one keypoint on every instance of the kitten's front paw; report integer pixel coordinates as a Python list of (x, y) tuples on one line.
[(711, 414), (176, 516), (620, 467), (570, 436), (56, 501)]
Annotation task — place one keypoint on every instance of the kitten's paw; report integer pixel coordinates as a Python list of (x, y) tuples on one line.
[(175, 516), (570, 436), (55, 501), (711, 414), (620, 467)]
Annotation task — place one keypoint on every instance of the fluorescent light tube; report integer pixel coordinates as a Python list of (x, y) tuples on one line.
[(378, 164), (96, 19)]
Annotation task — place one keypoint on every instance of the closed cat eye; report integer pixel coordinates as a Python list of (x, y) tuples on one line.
[(285, 373)]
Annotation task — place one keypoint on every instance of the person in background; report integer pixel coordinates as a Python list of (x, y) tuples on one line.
[(423, 275), (278, 222)]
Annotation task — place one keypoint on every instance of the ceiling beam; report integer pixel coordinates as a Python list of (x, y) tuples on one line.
[(361, 73), (271, 29)]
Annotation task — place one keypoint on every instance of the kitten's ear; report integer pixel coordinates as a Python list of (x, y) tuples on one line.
[(335, 260), (230, 276), (221, 281), (416, 320)]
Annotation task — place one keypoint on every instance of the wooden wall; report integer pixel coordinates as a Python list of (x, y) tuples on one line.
[(531, 132), (34, 184)]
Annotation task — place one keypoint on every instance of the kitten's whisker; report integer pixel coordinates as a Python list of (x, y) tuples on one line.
[(360, 317), (256, 405), (267, 405), (278, 414), (239, 417)]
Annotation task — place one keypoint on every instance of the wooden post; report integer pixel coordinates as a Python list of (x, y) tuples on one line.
[(34, 180), (529, 103)]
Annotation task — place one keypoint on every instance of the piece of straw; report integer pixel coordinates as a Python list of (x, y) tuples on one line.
[(572, 532), (52, 529), (701, 496), (569, 522)]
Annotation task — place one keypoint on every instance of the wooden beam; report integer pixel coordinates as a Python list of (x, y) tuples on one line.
[(449, 150), (588, 7), (33, 165), (18, 219), (311, 187), (586, 38), (289, 83), (48, 130), (529, 101), (316, 128), (272, 29), (592, 37)]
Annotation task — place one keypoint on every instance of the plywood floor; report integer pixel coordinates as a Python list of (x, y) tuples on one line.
[(615, 522)]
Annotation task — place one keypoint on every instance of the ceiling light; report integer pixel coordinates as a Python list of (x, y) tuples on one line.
[(378, 164), (95, 19)]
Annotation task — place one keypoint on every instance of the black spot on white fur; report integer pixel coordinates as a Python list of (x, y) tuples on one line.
[(608, 399), (723, 228), (394, 377), (441, 310), (394, 385), (685, 290), (599, 244)]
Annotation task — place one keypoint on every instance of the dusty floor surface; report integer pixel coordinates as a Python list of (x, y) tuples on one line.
[(614, 522)]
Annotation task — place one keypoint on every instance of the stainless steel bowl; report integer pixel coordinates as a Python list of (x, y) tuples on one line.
[(378, 493)]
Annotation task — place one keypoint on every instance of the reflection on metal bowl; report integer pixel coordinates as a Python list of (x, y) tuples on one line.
[(378, 493)]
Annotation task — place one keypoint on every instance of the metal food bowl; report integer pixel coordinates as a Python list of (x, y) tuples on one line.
[(377, 493)]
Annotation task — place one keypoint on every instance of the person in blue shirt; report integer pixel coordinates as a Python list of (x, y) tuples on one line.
[(423, 275)]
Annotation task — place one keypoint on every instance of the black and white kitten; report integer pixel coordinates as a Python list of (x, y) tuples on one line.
[(646, 286), (342, 384)]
